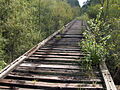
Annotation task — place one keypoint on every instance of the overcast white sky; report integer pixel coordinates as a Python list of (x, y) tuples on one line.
[(81, 2)]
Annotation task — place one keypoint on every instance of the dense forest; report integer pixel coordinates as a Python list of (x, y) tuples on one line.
[(24, 23)]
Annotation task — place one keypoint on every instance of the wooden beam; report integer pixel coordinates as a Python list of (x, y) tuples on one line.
[(107, 77), (48, 66), (58, 48), (60, 53), (54, 78), (54, 59), (57, 56), (43, 85)]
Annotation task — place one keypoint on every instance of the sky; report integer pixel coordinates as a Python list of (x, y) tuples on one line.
[(81, 2)]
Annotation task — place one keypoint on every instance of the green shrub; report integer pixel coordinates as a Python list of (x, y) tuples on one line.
[(113, 45), (96, 37), (83, 17)]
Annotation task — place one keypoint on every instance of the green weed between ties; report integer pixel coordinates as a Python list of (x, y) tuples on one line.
[(95, 40)]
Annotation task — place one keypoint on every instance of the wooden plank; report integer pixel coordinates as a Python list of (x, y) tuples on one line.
[(52, 42), (64, 49), (60, 79), (72, 34), (107, 77), (52, 62), (53, 59), (79, 70), (85, 77), (40, 85), (70, 39), (73, 31), (57, 56), (48, 66), (53, 68), (62, 53), (57, 72), (57, 44), (66, 44), (61, 46), (59, 51), (60, 76), (5, 88), (49, 71)]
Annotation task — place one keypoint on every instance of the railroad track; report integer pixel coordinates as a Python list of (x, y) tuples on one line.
[(56, 64)]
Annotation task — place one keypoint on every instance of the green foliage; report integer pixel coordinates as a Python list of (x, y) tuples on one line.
[(24, 23), (114, 11), (99, 28), (113, 45), (107, 24), (96, 51), (93, 11), (90, 5), (77, 11), (83, 17), (115, 23), (2, 40), (95, 41), (110, 8), (18, 29), (2, 65)]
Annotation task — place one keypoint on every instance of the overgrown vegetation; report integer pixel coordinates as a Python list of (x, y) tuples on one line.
[(24, 23), (103, 36), (95, 40)]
